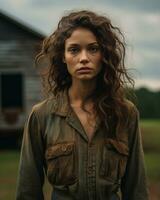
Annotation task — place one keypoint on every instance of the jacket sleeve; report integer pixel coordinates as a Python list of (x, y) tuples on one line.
[(134, 183), (31, 174)]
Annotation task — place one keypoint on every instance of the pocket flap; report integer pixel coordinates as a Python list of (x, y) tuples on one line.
[(118, 146), (59, 149)]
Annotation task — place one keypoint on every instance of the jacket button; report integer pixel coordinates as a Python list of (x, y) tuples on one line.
[(90, 170), (69, 148), (64, 148)]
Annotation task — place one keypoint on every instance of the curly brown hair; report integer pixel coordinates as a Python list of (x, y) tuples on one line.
[(109, 95)]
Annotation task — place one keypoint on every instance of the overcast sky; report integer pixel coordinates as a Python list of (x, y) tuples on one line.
[(139, 20)]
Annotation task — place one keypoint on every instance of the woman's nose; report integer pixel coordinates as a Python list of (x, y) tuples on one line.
[(84, 57)]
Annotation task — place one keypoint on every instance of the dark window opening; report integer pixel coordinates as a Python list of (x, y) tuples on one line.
[(12, 91)]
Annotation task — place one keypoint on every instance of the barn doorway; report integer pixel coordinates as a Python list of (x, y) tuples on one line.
[(11, 96), (11, 91)]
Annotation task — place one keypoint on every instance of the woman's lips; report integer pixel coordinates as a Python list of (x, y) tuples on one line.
[(84, 70)]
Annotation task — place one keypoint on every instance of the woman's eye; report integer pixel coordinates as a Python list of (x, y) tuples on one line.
[(73, 50), (93, 49)]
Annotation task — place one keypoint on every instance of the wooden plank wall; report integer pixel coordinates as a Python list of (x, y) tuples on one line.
[(18, 56)]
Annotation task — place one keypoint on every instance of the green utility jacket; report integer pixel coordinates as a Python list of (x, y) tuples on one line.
[(56, 144)]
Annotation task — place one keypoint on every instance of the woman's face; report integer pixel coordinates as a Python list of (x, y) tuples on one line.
[(82, 55)]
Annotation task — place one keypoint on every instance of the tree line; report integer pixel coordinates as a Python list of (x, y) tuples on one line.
[(148, 103)]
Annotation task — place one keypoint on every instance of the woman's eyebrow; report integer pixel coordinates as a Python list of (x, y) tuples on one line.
[(77, 44), (93, 43), (73, 44)]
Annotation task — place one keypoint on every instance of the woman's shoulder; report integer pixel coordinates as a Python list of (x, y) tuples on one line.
[(52, 105), (44, 107), (132, 108), (133, 113)]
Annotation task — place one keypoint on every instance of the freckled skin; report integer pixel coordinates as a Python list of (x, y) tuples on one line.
[(82, 50)]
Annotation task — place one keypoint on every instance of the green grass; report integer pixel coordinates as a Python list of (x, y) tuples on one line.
[(151, 135), (8, 174), (151, 143), (9, 161), (150, 122), (152, 161)]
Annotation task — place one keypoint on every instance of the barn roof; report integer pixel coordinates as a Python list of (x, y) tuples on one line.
[(20, 25)]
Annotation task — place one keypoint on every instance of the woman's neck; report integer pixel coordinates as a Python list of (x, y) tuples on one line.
[(79, 91)]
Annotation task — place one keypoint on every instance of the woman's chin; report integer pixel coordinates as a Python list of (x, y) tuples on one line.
[(86, 77)]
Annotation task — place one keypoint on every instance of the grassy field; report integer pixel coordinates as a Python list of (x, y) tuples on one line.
[(151, 135), (151, 140), (151, 144), (8, 174)]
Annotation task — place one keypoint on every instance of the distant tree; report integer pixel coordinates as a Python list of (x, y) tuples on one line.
[(148, 103), (157, 104)]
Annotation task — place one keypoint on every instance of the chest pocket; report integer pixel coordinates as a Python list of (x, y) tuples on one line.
[(114, 159), (61, 163)]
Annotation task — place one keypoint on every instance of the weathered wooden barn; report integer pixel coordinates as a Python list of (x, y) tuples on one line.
[(19, 81)]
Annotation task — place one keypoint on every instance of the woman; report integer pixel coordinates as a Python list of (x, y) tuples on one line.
[(85, 137)]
